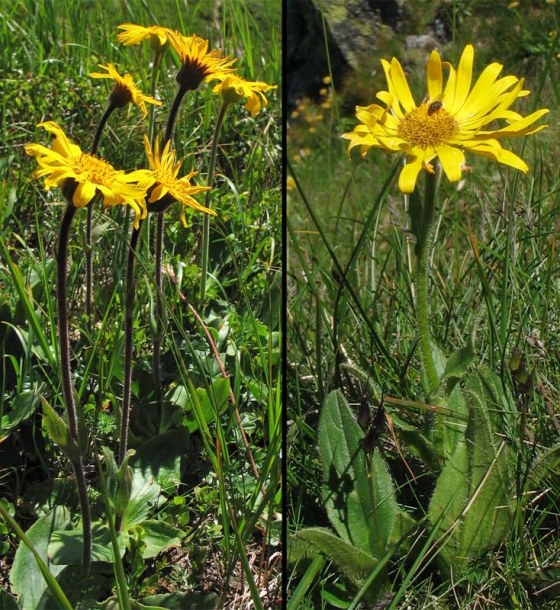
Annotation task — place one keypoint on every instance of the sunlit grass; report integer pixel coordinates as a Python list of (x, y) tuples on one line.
[(222, 362)]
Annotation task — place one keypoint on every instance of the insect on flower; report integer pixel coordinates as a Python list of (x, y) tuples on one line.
[(433, 107)]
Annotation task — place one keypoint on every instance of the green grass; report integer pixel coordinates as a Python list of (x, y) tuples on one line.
[(351, 301), (221, 362)]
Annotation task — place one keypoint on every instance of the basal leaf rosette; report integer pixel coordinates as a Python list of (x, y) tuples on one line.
[(451, 119)]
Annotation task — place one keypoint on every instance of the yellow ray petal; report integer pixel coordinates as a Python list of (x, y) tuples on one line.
[(434, 76)]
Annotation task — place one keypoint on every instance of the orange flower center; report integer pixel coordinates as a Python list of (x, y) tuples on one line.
[(97, 170), (429, 125)]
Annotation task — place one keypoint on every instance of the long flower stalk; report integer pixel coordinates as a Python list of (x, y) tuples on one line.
[(130, 290), (65, 369), (89, 219), (206, 219), (158, 253), (426, 241)]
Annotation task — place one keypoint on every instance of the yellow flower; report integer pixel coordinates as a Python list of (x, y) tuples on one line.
[(135, 34), (449, 121), (198, 62), (233, 88), (162, 185), (81, 175), (125, 90)]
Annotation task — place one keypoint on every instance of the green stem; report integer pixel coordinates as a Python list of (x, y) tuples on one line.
[(426, 240), (128, 329), (120, 574), (65, 371), (206, 219)]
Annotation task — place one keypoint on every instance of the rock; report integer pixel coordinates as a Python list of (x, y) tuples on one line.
[(351, 35)]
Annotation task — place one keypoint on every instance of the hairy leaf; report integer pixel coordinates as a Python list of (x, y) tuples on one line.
[(361, 505), (355, 564), (473, 492)]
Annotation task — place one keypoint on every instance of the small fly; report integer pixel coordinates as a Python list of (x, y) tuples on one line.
[(434, 106)]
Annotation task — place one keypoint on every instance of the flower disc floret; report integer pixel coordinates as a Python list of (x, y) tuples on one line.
[(425, 129), (454, 117)]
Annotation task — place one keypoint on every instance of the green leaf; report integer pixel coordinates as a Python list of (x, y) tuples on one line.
[(439, 362), (143, 496), (7, 602), (43, 350), (362, 508), (183, 601), (473, 493), (58, 432), (22, 407), (404, 524), (546, 465), (212, 402), (81, 591), (118, 480), (453, 428), (355, 564), (417, 442), (459, 362), (163, 457), (25, 577), (501, 407), (66, 546), (159, 536)]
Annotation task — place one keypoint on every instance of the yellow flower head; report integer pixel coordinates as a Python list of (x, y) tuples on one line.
[(451, 119), (125, 90), (81, 175), (198, 62), (162, 185), (135, 34), (233, 88)]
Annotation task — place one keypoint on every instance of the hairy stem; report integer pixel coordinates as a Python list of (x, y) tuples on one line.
[(89, 221), (156, 357), (65, 371), (130, 289), (422, 284)]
